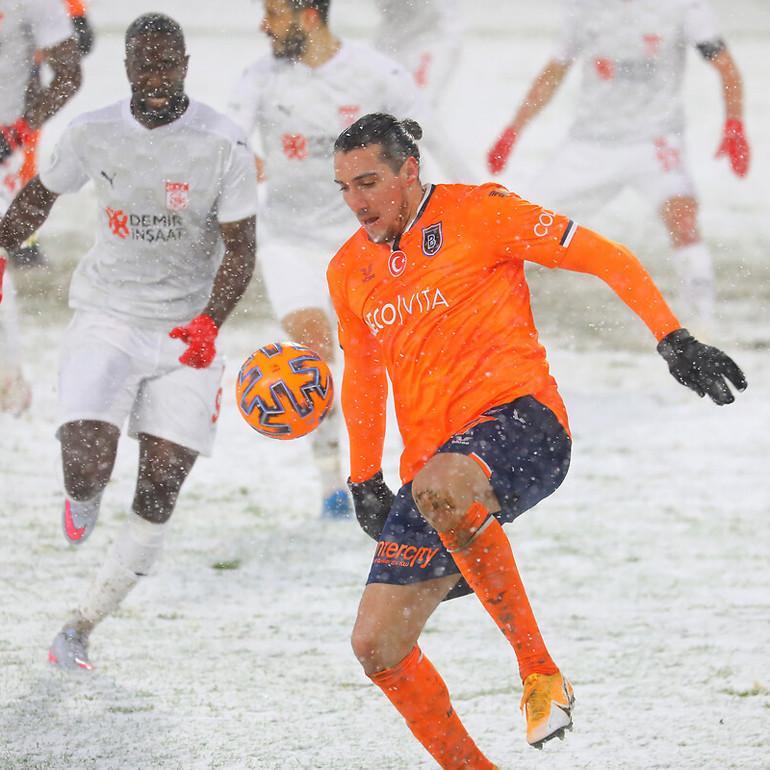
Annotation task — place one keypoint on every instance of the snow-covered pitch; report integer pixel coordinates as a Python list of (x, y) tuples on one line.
[(648, 570)]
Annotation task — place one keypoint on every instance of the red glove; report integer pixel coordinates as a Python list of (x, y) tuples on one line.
[(13, 136), (497, 157), (3, 261), (199, 335), (736, 147)]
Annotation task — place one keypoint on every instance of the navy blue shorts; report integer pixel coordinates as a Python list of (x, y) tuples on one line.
[(526, 452)]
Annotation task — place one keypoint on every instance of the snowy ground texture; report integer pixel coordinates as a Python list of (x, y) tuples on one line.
[(648, 569)]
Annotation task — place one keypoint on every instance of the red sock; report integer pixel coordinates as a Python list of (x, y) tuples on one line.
[(417, 690), (488, 566)]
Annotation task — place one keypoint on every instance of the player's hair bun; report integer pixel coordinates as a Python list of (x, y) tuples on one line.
[(412, 128)]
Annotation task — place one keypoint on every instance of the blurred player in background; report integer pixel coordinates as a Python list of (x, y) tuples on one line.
[(297, 100), (431, 293), (26, 28), (629, 128), (29, 254), (426, 37), (174, 252)]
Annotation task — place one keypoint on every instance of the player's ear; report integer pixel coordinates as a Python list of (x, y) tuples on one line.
[(410, 170)]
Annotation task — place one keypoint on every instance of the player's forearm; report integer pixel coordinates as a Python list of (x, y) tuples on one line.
[(732, 85), (541, 92), (236, 270), (64, 60), (364, 398), (26, 214), (591, 253)]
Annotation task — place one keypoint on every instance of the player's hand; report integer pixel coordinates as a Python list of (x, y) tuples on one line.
[(736, 147), (497, 157), (700, 367), (199, 336), (372, 500), (13, 136)]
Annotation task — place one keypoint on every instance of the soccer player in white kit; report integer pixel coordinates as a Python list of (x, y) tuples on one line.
[(629, 126), (174, 252), (297, 100), (26, 28)]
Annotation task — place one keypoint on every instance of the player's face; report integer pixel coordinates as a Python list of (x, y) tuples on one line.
[(156, 65), (281, 23), (374, 192)]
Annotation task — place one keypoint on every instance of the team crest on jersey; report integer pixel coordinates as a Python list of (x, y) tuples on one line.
[(177, 195), (432, 239), (397, 263)]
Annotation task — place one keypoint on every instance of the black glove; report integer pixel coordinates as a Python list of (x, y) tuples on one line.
[(372, 500), (84, 34), (700, 367)]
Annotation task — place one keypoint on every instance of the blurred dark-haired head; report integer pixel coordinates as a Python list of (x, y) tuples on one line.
[(156, 66), (290, 24)]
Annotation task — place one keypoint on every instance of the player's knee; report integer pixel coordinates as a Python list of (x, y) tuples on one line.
[(444, 489), (156, 495), (374, 652)]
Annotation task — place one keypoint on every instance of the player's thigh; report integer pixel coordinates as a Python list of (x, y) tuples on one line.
[(391, 618), (660, 171), (579, 179), (522, 449), (294, 273), (181, 406), (100, 370)]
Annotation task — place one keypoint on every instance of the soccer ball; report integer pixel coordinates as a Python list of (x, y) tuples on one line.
[(284, 390)]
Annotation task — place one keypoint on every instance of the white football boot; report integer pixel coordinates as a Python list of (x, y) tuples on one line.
[(79, 518)]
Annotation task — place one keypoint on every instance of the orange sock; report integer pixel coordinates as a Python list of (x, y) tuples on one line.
[(488, 566), (417, 690)]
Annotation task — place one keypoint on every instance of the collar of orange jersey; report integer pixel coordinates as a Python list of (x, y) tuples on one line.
[(429, 188)]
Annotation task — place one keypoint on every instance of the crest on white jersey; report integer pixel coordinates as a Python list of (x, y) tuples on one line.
[(177, 195)]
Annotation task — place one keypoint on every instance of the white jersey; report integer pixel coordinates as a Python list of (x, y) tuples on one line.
[(161, 195), (406, 25), (26, 26), (298, 112), (633, 62)]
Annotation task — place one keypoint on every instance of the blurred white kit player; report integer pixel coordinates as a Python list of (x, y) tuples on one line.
[(629, 127), (26, 28), (295, 102), (425, 36), (176, 200)]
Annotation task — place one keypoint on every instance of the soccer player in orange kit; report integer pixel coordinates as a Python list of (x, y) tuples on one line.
[(431, 293)]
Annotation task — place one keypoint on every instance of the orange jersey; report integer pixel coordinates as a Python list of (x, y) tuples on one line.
[(446, 312)]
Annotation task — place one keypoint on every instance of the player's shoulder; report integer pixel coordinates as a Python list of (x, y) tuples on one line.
[(362, 56), (110, 113), (257, 71), (349, 254), (207, 119), (467, 196)]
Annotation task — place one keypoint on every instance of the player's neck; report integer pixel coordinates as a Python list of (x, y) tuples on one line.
[(323, 45)]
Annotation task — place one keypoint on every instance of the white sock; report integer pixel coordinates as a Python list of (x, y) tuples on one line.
[(132, 555), (326, 452), (697, 293)]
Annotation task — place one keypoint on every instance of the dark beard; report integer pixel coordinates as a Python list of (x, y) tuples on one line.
[(175, 108), (293, 45)]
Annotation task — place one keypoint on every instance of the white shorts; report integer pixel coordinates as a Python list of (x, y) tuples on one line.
[(584, 176), (111, 370), (294, 271)]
